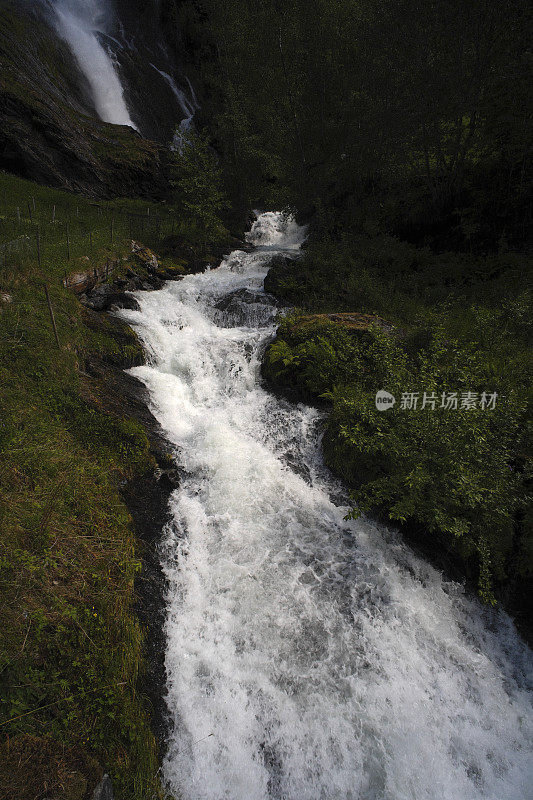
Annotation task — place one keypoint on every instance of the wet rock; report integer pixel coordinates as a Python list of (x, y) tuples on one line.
[(104, 790), (172, 272), (245, 296), (244, 306), (104, 298), (169, 479), (123, 300)]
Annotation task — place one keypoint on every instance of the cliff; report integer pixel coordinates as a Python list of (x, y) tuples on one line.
[(49, 129)]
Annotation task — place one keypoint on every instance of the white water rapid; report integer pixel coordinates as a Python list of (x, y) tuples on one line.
[(79, 23), (308, 658)]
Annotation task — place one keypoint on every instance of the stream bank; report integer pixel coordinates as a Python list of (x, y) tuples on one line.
[(454, 479), (84, 487), (306, 653)]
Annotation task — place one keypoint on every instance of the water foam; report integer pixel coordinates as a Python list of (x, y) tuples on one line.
[(308, 658)]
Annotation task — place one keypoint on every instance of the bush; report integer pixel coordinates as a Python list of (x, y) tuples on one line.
[(454, 473)]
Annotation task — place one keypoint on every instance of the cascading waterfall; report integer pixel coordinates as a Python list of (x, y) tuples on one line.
[(308, 657), (188, 107), (79, 23)]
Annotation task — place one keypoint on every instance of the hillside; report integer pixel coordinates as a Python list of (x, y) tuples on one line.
[(265, 359)]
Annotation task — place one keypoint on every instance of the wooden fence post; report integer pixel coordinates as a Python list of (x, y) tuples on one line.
[(51, 310), (38, 237)]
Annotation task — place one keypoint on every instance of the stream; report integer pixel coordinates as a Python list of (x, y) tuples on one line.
[(308, 657)]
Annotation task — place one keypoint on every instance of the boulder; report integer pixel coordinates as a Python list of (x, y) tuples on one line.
[(104, 297), (244, 306), (145, 257), (104, 790)]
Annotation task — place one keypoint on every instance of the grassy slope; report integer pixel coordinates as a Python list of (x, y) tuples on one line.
[(458, 479), (71, 645)]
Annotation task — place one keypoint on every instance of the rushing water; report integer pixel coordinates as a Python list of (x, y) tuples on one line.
[(308, 657), (188, 107), (81, 23)]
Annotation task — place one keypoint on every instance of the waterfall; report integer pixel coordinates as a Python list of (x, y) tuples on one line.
[(79, 23), (308, 657), (187, 106)]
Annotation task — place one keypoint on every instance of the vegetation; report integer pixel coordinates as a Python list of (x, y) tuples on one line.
[(460, 477), (197, 186), (403, 135), (71, 649), (402, 131), (414, 119)]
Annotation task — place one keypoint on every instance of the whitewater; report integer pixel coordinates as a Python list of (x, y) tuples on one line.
[(81, 23), (308, 657)]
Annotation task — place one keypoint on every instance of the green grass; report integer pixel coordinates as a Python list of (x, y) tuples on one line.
[(94, 228), (71, 646)]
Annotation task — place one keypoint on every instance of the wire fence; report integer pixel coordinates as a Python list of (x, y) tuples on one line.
[(21, 244), (43, 232), (73, 245)]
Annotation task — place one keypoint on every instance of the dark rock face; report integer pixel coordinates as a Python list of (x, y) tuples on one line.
[(148, 48), (49, 131)]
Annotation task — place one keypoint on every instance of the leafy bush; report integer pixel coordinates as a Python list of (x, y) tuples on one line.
[(312, 358), (455, 473), (196, 181)]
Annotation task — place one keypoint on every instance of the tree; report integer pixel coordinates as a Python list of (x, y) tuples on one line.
[(196, 180)]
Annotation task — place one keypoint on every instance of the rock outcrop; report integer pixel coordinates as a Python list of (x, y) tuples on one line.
[(49, 131), (106, 287)]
